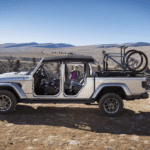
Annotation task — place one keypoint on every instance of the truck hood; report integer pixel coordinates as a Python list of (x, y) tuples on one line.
[(13, 75)]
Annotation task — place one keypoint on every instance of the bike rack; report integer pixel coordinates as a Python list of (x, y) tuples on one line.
[(107, 72)]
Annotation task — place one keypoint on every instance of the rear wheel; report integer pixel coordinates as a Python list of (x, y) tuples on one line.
[(111, 105), (137, 63), (141, 58), (7, 102), (128, 52)]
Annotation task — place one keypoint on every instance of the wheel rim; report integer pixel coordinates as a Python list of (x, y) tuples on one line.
[(111, 105), (5, 103)]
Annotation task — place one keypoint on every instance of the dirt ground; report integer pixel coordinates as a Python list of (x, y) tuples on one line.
[(75, 126)]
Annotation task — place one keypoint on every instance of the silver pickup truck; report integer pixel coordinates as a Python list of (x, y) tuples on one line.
[(50, 82)]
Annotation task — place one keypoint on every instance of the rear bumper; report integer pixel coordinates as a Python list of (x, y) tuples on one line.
[(141, 96), (148, 88), (144, 95)]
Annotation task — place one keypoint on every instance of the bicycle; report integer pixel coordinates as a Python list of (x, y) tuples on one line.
[(127, 60)]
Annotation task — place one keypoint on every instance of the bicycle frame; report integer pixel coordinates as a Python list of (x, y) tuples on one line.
[(122, 64), (133, 64)]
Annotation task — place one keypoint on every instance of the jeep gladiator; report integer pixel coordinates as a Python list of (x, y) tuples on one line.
[(50, 82)]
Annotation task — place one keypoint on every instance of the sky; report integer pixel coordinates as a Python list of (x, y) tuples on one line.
[(76, 22)]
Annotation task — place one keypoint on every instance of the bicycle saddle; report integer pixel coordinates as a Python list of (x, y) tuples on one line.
[(121, 46)]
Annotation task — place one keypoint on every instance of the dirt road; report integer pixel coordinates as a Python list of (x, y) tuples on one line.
[(75, 126)]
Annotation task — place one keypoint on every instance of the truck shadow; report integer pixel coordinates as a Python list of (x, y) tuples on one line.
[(87, 119)]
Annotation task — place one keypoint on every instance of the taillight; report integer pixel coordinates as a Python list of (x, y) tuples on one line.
[(144, 84)]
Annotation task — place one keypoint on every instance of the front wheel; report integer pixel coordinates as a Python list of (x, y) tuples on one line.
[(111, 105), (7, 102)]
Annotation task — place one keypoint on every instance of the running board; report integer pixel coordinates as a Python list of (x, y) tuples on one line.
[(56, 101)]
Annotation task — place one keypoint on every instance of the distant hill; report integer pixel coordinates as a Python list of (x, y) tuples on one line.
[(43, 46), (34, 44), (138, 44)]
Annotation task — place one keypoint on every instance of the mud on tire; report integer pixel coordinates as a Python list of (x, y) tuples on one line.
[(110, 105), (7, 102)]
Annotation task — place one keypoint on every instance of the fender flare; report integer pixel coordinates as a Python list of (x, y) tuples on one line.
[(15, 87), (100, 87)]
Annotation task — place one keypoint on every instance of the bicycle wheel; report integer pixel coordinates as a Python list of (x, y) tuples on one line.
[(133, 50), (134, 60)]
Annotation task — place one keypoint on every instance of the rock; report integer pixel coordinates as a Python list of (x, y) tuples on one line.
[(34, 140), (108, 147), (30, 147), (122, 135), (135, 138), (10, 124), (146, 142), (47, 142), (112, 140), (27, 141), (74, 142)]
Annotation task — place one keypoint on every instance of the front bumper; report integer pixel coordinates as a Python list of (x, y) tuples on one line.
[(141, 96)]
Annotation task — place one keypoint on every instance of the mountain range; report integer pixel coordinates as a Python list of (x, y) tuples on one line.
[(63, 45), (34, 44), (138, 44)]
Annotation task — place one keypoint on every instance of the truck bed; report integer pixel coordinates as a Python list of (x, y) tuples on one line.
[(119, 73)]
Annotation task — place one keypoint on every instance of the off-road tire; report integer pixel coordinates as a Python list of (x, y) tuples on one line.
[(13, 100), (103, 100)]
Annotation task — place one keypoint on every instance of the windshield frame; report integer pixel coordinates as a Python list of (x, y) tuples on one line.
[(36, 68)]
